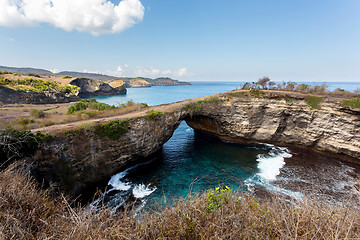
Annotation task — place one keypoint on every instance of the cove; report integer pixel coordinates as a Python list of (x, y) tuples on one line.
[(193, 163)]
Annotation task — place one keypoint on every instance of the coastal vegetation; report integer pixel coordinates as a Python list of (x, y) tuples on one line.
[(314, 101), (113, 129), (153, 115), (31, 213), (35, 84), (15, 144), (88, 103), (35, 116), (352, 103)]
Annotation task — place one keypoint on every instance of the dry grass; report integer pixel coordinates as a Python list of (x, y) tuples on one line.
[(55, 114), (29, 213)]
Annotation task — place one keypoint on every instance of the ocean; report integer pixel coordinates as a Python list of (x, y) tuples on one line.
[(190, 164)]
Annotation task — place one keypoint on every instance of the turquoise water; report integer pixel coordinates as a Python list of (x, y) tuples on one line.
[(168, 94), (194, 163)]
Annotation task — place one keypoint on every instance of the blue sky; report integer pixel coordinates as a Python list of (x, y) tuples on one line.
[(212, 40)]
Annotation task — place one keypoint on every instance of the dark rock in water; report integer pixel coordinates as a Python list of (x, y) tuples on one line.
[(90, 87), (10, 96)]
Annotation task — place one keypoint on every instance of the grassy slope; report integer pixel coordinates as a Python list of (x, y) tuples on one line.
[(29, 213)]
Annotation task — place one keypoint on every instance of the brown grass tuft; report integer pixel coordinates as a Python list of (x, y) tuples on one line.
[(29, 213)]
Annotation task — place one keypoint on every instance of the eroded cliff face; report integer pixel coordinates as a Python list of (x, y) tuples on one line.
[(10, 96), (274, 120), (90, 88), (77, 159)]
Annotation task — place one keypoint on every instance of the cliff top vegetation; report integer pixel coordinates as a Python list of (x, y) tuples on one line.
[(36, 83)]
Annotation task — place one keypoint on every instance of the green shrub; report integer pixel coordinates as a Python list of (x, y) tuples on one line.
[(23, 121), (352, 103), (5, 72), (113, 129), (37, 113), (153, 115), (256, 91), (66, 76), (216, 197), (213, 99), (33, 75), (289, 100), (100, 106), (76, 107), (313, 101), (4, 81), (26, 89)]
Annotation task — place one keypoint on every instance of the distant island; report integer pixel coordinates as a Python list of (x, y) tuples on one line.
[(129, 81)]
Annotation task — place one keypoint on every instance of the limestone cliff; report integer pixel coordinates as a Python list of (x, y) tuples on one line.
[(74, 160), (284, 120), (90, 88)]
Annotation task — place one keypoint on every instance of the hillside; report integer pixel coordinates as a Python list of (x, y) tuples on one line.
[(129, 81), (34, 89)]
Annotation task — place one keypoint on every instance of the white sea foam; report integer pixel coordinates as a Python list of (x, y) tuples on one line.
[(141, 190), (117, 184), (270, 164)]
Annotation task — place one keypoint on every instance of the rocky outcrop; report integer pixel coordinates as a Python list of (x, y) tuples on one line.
[(275, 120), (74, 161), (78, 159), (90, 88), (10, 96)]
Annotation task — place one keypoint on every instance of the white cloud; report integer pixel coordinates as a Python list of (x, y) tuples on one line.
[(181, 72), (153, 72), (119, 69), (93, 16), (12, 39)]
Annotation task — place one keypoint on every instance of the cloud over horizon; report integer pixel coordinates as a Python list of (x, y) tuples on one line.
[(153, 72), (93, 16), (126, 70)]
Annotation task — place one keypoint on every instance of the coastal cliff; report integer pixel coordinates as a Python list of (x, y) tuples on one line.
[(74, 159), (90, 88), (281, 120), (36, 89), (84, 155)]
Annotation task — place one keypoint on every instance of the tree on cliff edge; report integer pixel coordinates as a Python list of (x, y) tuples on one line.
[(263, 81)]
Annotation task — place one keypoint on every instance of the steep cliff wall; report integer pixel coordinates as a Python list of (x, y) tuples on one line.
[(74, 159), (281, 120), (10, 96), (90, 88)]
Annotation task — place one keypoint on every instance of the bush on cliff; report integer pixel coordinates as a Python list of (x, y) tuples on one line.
[(353, 103), (314, 101), (15, 144), (113, 129), (153, 115)]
